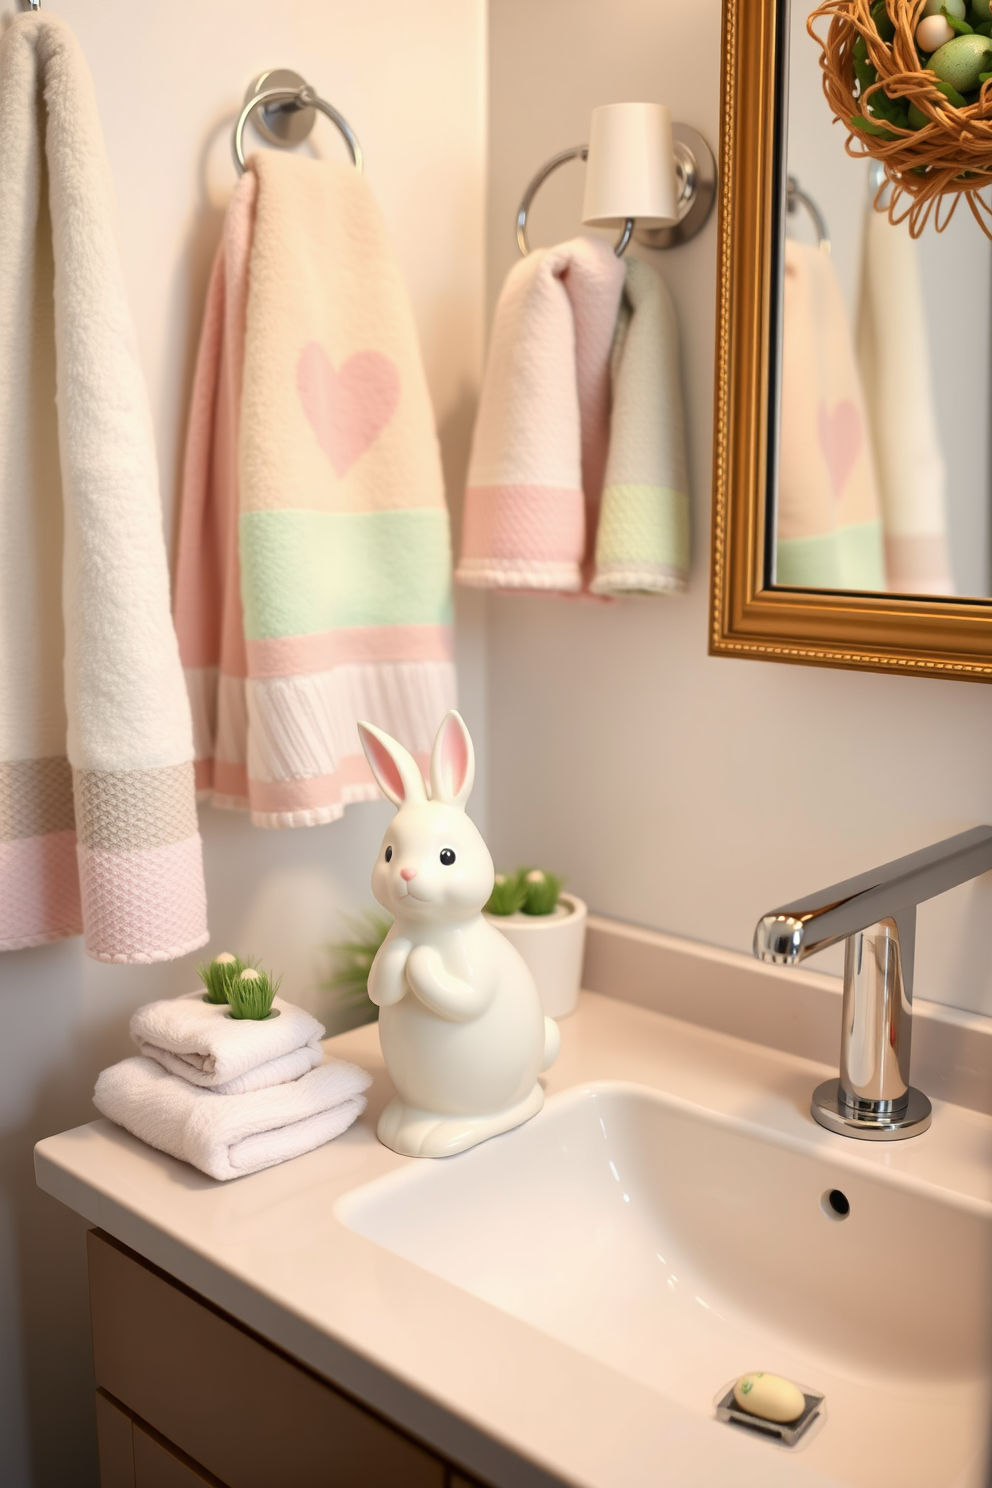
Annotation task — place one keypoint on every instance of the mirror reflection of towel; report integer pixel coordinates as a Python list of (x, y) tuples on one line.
[(894, 356), (829, 523)]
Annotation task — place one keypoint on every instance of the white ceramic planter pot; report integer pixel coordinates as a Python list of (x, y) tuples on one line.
[(552, 946)]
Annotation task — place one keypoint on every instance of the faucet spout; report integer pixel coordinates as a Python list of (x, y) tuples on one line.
[(875, 913)]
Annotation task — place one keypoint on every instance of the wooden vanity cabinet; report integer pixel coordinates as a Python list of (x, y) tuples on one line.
[(187, 1396)]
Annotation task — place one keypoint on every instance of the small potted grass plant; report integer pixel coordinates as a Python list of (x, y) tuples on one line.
[(548, 928), (248, 990)]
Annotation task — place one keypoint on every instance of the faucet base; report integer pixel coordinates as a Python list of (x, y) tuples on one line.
[(830, 1111)]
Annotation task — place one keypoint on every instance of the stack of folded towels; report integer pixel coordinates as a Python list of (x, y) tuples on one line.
[(230, 1095)]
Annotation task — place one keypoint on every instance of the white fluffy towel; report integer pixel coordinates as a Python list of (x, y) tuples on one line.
[(98, 828), (231, 1056), (227, 1136)]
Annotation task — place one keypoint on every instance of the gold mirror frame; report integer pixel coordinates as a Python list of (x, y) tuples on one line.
[(876, 632)]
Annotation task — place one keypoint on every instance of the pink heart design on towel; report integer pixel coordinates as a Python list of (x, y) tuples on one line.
[(349, 406), (840, 440)]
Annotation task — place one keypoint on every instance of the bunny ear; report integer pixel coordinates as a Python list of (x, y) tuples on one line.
[(452, 762), (394, 768)]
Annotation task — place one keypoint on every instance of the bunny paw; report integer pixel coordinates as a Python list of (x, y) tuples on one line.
[(416, 1133)]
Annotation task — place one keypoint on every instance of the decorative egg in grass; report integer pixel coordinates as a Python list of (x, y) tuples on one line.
[(960, 61), (932, 33), (955, 8)]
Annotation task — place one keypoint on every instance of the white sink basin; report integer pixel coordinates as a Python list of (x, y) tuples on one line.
[(685, 1248)]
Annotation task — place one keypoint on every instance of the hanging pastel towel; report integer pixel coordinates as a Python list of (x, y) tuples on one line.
[(98, 828), (542, 431), (642, 539), (829, 533), (314, 573), (894, 357)]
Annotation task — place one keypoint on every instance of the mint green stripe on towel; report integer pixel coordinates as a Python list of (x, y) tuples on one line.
[(849, 558), (308, 571), (641, 527)]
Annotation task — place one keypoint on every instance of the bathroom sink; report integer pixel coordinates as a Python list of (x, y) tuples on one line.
[(684, 1248)]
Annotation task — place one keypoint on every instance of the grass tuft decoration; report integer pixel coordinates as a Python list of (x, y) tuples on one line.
[(529, 891), (351, 960), (251, 992), (541, 892), (218, 974), (508, 895)]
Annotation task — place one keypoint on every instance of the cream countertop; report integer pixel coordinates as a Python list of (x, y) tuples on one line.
[(479, 1386)]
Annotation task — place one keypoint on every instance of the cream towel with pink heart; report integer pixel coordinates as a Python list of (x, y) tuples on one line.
[(543, 429), (314, 573), (829, 522), (912, 476)]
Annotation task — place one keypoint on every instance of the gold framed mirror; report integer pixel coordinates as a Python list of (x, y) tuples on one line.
[(751, 616)]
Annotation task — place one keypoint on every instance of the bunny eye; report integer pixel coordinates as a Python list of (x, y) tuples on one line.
[(389, 854), (447, 856)]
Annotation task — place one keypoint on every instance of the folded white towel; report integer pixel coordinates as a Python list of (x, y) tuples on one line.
[(206, 1046), (229, 1136)]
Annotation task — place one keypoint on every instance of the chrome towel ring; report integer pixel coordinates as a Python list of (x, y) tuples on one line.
[(577, 152), (796, 197), (288, 105)]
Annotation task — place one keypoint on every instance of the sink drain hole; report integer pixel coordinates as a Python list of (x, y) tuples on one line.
[(835, 1204)]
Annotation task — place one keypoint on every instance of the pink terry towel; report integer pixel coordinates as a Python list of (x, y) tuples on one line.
[(313, 584), (543, 427), (98, 827)]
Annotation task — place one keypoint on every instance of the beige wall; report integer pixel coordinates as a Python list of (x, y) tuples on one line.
[(170, 75), (676, 790)]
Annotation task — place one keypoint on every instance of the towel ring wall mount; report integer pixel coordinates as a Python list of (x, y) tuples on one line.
[(796, 198), (695, 170), (287, 107)]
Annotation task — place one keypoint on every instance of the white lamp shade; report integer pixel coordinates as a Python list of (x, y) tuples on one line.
[(631, 167)]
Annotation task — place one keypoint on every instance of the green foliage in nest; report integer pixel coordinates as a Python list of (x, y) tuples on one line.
[(218, 974), (351, 960), (250, 993), (529, 890)]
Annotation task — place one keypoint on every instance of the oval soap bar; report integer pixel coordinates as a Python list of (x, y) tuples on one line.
[(769, 1396)]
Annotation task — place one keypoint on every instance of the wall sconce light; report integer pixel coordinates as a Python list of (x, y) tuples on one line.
[(653, 179)]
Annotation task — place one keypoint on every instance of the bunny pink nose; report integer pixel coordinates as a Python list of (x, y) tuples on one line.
[(408, 873)]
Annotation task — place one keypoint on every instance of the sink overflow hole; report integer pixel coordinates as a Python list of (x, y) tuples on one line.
[(835, 1205)]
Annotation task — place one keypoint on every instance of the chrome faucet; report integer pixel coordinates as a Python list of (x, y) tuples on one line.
[(876, 914)]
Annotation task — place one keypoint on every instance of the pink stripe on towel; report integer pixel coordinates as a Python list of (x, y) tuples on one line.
[(287, 656), (542, 432), (39, 890), (143, 906), (532, 524), (320, 798)]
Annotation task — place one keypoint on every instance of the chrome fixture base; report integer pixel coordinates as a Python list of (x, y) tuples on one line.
[(285, 106), (878, 1125), (286, 122), (695, 168)]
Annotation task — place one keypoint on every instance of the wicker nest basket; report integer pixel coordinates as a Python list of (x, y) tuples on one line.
[(932, 168)]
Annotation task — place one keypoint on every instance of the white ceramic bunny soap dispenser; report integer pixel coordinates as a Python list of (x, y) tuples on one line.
[(460, 1022)]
